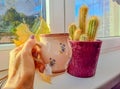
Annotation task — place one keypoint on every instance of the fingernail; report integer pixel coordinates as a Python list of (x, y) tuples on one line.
[(32, 36)]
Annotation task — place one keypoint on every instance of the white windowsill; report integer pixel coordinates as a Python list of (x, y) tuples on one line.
[(110, 44), (4, 47), (107, 76)]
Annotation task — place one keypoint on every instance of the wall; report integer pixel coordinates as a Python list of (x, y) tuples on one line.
[(4, 57)]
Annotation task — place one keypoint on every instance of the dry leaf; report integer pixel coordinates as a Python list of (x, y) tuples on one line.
[(42, 29), (23, 33), (45, 77)]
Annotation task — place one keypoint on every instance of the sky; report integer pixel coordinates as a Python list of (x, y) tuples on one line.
[(95, 6), (28, 7)]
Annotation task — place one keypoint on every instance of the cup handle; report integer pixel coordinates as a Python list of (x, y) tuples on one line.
[(36, 52), (38, 60)]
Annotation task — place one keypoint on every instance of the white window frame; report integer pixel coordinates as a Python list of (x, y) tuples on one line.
[(60, 13)]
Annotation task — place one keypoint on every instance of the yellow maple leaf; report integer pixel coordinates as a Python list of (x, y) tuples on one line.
[(42, 29), (23, 33), (17, 42)]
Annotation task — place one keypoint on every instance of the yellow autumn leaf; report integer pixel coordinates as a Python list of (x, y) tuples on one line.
[(23, 33), (17, 42), (45, 77), (42, 29)]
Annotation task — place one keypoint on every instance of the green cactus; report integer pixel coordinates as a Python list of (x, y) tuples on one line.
[(83, 37), (72, 29), (77, 34), (92, 28), (82, 18)]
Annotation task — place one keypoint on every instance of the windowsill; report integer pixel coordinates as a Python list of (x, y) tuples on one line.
[(110, 44), (4, 47), (107, 76)]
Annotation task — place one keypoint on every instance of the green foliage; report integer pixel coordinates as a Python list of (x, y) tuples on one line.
[(35, 25), (11, 16), (12, 19)]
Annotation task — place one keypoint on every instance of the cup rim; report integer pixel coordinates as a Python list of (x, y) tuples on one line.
[(54, 34)]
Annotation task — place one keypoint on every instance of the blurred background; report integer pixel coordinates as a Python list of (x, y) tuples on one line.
[(14, 12)]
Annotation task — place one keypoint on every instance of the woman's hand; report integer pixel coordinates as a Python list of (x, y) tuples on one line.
[(21, 67)]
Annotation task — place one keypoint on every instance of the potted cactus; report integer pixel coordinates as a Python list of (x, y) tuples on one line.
[(81, 33), (85, 47)]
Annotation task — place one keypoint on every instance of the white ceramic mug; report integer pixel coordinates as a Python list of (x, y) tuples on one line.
[(55, 51)]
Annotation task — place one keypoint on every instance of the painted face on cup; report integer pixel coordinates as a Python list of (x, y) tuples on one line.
[(55, 51)]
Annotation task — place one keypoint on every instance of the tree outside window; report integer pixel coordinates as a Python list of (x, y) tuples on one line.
[(14, 12)]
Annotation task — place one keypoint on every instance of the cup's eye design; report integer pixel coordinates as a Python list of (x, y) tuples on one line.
[(62, 47)]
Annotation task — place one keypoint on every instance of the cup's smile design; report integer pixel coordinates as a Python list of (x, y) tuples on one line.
[(52, 62)]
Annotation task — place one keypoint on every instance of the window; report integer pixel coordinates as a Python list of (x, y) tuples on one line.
[(50, 9), (108, 12), (14, 12), (61, 13), (111, 38), (100, 8)]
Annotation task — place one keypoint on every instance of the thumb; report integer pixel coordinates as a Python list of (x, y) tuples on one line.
[(28, 46)]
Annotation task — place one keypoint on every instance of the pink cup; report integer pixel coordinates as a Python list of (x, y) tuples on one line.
[(84, 58)]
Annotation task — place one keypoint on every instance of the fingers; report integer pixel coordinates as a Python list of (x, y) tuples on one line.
[(16, 50), (36, 51), (26, 59), (28, 46), (21, 58)]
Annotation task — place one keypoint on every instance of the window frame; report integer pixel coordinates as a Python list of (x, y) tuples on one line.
[(59, 23)]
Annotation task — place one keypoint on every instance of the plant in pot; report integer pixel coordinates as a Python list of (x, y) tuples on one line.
[(85, 47)]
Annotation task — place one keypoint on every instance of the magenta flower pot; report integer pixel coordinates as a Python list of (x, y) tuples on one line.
[(84, 58)]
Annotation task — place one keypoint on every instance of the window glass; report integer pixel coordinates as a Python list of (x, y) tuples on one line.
[(14, 12), (108, 13)]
